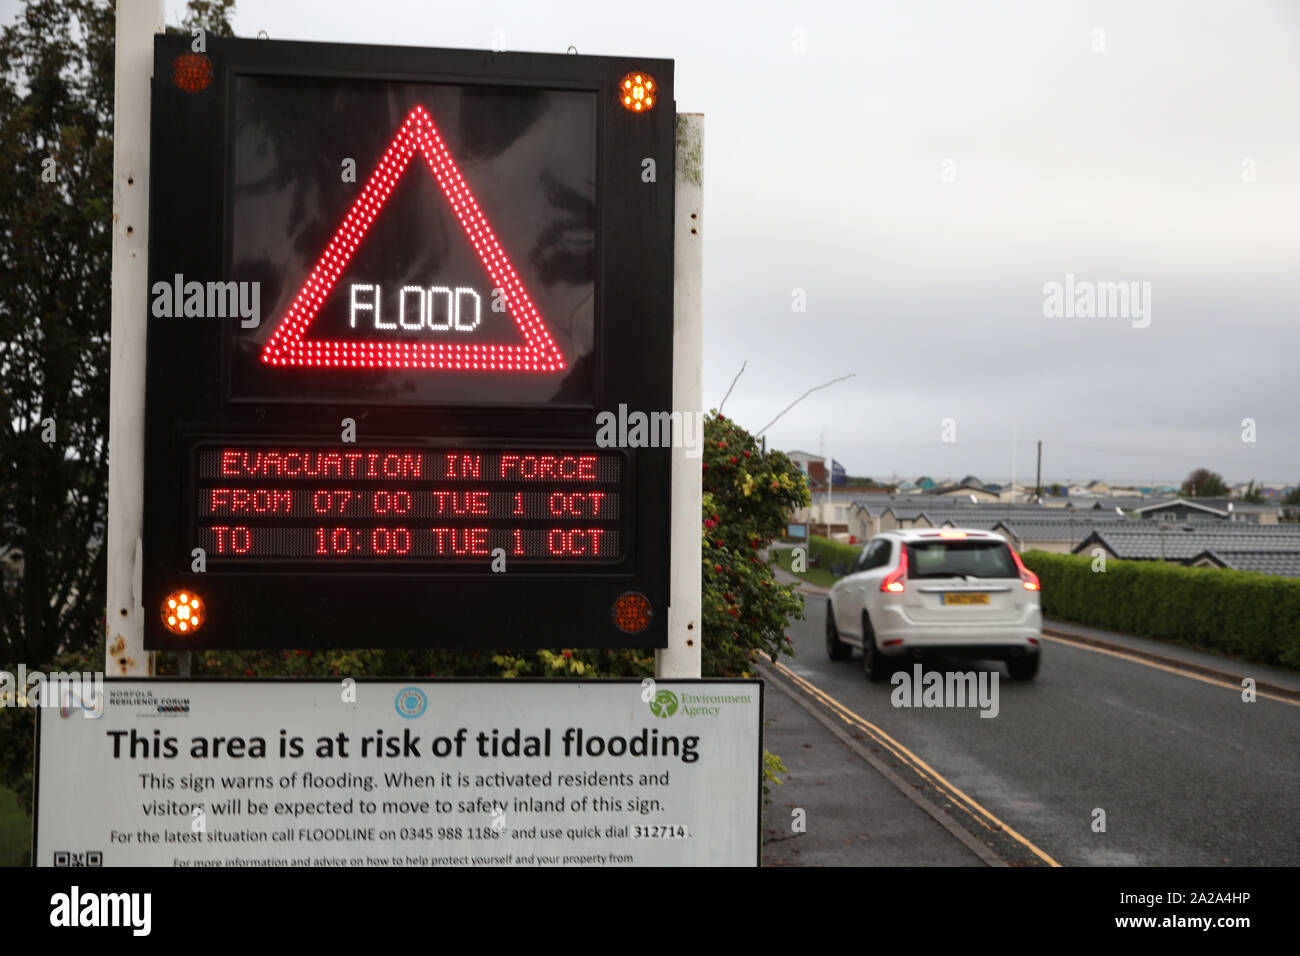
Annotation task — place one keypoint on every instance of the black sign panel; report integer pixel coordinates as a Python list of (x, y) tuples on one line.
[(390, 291)]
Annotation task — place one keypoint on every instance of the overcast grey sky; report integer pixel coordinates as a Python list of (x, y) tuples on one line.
[(1122, 155)]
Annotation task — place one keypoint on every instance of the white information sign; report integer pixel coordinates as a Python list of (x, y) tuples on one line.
[(426, 773)]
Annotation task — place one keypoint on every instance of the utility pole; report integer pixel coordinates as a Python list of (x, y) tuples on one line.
[(830, 494), (1038, 482), (826, 469)]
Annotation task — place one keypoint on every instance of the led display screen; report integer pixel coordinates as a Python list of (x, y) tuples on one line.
[(392, 289), (401, 505), (437, 244)]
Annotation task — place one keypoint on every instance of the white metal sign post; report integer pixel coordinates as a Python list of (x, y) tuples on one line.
[(137, 22), (681, 658)]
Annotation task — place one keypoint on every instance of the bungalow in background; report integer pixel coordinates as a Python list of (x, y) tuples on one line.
[(1210, 509), (1185, 543), (1282, 563)]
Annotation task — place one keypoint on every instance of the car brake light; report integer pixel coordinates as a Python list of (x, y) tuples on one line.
[(1028, 577), (894, 579)]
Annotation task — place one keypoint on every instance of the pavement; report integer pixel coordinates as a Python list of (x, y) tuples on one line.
[(855, 812)]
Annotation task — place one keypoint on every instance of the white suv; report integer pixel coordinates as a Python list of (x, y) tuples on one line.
[(958, 592)]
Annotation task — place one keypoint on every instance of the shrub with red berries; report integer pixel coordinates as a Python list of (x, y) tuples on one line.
[(747, 497)]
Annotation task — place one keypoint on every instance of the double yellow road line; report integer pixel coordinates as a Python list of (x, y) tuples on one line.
[(1215, 678), (954, 794)]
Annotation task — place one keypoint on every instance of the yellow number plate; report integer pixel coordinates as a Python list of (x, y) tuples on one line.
[(965, 599)]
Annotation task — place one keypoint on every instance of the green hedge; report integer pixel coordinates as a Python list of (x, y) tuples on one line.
[(825, 552), (1248, 615)]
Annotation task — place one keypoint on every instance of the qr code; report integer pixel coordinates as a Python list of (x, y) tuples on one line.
[(88, 858)]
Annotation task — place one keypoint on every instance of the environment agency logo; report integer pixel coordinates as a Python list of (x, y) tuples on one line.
[(411, 702), (664, 704)]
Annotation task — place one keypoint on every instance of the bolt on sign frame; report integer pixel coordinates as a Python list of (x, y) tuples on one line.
[(391, 289)]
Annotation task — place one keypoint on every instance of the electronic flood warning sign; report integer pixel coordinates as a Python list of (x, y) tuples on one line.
[(390, 291)]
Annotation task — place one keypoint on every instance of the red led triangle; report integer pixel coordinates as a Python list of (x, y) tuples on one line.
[(287, 346)]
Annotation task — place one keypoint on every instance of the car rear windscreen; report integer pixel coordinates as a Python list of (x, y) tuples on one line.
[(946, 559)]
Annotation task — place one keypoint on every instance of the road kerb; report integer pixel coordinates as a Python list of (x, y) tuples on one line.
[(1175, 662), (942, 818)]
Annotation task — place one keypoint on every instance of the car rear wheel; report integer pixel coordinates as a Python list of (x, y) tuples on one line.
[(1024, 668), (874, 664), (836, 649)]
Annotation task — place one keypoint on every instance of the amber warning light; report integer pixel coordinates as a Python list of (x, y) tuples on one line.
[(182, 612), (637, 92), (632, 612), (192, 72)]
